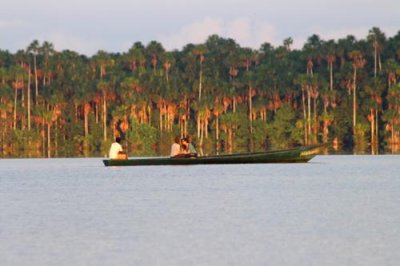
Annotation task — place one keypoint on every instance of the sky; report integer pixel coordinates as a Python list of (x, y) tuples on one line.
[(87, 26)]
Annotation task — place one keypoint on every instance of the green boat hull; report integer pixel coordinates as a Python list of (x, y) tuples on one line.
[(295, 155)]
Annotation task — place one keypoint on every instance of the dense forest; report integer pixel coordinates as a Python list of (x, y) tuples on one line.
[(344, 92)]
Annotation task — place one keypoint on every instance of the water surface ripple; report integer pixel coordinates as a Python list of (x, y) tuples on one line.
[(335, 210)]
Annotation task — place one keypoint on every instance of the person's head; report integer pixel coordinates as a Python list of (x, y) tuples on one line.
[(184, 143), (118, 139), (177, 139)]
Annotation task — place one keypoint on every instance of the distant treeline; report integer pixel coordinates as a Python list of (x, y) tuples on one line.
[(229, 98)]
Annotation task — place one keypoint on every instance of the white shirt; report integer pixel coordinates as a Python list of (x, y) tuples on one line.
[(175, 149), (115, 148)]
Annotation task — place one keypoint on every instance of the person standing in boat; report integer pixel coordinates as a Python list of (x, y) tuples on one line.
[(176, 147), (116, 151)]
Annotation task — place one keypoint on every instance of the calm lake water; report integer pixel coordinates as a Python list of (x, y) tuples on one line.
[(335, 210)]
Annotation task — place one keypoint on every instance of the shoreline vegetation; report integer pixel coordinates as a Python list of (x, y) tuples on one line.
[(229, 98)]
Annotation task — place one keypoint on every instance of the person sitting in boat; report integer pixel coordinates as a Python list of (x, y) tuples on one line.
[(184, 146), (191, 148), (116, 152), (176, 147), (184, 150)]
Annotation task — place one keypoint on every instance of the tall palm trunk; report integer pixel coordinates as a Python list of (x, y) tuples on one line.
[(96, 112), (15, 107), (230, 143), (43, 133), (56, 138), (201, 124), (29, 97), (308, 112), (393, 136), (331, 75), (376, 127), (325, 132), (375, 59), (48, 140), (36, 79), (315, 121), (104, 118), (22, 108), (206, 127), (217, 131), (160, 115), (149, 114), (198, 125), (251, 118), (304, 116), (372, 122), (200, 80), (86, 125), (354, 100)]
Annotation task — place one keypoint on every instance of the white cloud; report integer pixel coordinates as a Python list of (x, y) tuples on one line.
[(11, 23), (242, 30), (251, 34), (62, 41), (196, 32), (265, 32)]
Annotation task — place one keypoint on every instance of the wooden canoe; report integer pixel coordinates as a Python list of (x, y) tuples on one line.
[(295, 155)]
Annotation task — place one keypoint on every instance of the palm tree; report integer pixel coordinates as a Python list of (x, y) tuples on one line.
[(393, 70), (199, 51), (167, 64), (358, 62), (392, 116), (47, 50), (344, 47), (22, 60), (233, 61), (50, 116), (287, 43), (229, 123), (106, 89), (33, 49), (103, 60), (327, 118), (301, 81), (314, 93), (134, 57), (376, 37), (330, 55), (313, 50), (248, 57), (217, 110), (5, 99), (155, 50), (29, 97), (374, 89), (17, 84)]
